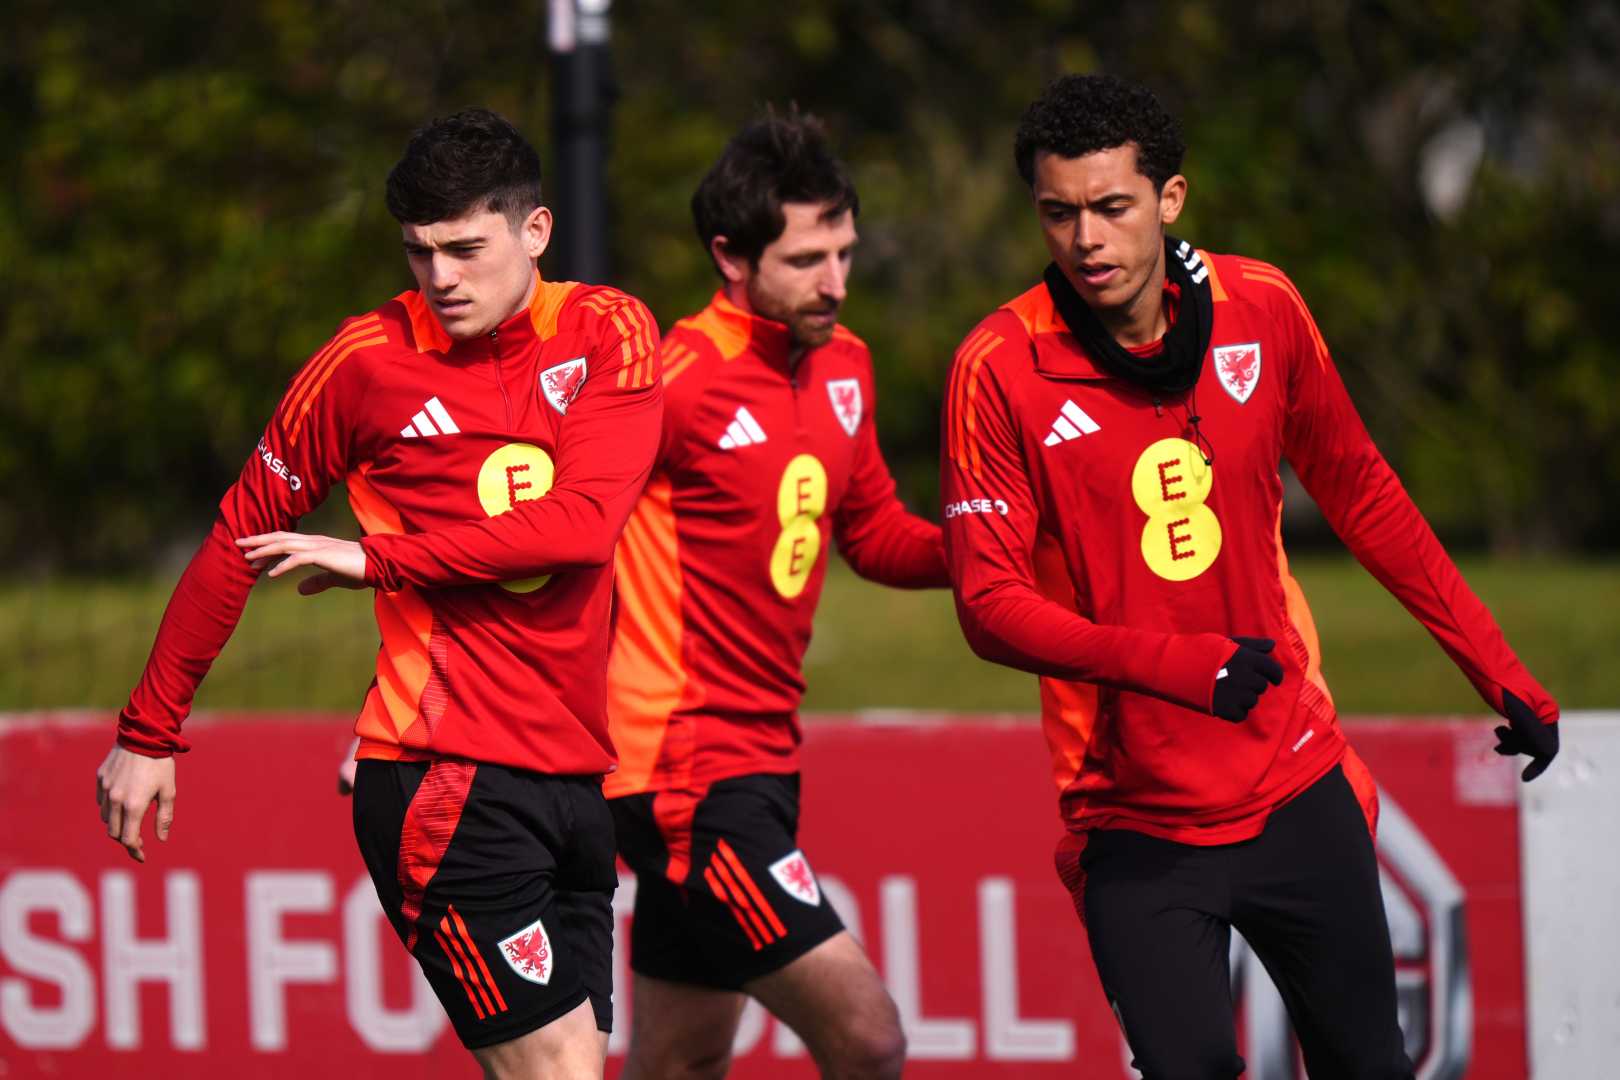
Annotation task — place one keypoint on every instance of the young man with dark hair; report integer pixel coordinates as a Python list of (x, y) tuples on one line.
[(1124, 421), (769, 452), (488, 417)]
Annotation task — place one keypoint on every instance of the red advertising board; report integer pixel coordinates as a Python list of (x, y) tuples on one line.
[(253, 942)]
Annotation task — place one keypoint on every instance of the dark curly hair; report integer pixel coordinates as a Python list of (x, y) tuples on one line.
[(1081, 114), (454, 163), (774, 160)]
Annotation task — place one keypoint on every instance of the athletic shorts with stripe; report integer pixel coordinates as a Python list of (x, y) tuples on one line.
[(723, 893), (500, 882)]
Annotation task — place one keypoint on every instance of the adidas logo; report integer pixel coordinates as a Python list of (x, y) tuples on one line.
[(1072, 422), (743, 431), (421, 424)]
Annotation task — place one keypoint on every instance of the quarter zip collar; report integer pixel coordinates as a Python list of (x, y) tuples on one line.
[(508, 341), (765, 338)]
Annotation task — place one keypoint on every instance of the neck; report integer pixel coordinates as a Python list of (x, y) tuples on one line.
[(528, 297), (737, 296)]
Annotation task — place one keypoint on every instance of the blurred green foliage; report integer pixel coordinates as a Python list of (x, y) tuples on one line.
[(80, 643), (194, 199)]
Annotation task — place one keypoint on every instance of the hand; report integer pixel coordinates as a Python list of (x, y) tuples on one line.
[(1524, 733), (126, 785), (346, 769), (1239, 684), (343, 562)]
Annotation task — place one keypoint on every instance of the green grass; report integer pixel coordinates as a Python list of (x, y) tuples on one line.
[(81, 644)]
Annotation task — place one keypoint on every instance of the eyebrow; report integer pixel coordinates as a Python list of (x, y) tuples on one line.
[(814, 250), (455, 242), (1104, 200)]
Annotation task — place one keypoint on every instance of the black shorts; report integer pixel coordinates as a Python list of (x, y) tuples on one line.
[(500, 882), (723, 893), (1304, 893)]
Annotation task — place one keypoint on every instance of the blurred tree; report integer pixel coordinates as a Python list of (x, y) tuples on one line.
[(194, 200)]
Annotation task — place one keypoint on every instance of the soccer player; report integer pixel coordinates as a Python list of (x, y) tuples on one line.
[(484, 394), (1113, 437), (769, 452)]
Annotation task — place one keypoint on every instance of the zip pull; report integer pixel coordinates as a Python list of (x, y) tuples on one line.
[(1158, 407)]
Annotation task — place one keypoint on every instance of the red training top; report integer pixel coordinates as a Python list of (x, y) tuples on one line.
[(721, 565), (546, 427), (1090, 543)]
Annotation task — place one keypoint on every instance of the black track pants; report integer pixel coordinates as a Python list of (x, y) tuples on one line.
[(1305, 895)]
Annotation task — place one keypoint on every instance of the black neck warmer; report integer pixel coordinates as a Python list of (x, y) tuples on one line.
[(1177, 368)]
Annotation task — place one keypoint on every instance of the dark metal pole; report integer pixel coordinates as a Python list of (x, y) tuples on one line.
[(582, 96)]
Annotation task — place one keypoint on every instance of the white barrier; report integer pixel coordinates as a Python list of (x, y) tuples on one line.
[(1569, 825)]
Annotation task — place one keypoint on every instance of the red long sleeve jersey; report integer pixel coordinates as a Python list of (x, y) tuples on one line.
[(722, 563), (538, 436), (1090, 543)]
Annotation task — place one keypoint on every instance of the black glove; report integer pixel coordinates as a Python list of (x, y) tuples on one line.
[(1524, 733), (1244, 678)]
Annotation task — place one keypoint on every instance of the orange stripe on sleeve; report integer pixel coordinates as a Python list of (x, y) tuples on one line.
[(964, 362), (677, 358), (483, 968), (455, 965), (971, 424), (637, 317), (316, 388), (1276, 278), (953, 438), (730, 857), (736, 913), (322, 360)]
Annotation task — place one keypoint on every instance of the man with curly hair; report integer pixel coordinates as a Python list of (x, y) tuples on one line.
[(1112, 440)]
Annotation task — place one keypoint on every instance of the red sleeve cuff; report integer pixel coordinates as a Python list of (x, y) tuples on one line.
[(136, 743)]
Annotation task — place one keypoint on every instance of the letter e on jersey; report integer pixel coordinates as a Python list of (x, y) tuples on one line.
[(792, 872), (528, 952)]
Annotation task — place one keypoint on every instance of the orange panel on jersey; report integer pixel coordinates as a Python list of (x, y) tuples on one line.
[(1299, 614), (1068, 709), (1037, 312), (647, 676), (549, 297), (724, 325), (404, 666), (1365, 787), (430, 336), (1217, 292)]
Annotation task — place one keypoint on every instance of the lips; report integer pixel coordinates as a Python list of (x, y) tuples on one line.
[(1096, 275)]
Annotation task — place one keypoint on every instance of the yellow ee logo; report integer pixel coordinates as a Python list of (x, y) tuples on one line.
[(801, 498), (1170, 484), (515, 473)]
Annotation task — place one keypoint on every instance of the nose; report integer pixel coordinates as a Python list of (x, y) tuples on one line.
[(444, 273), (1087, 235), (833, 281)]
